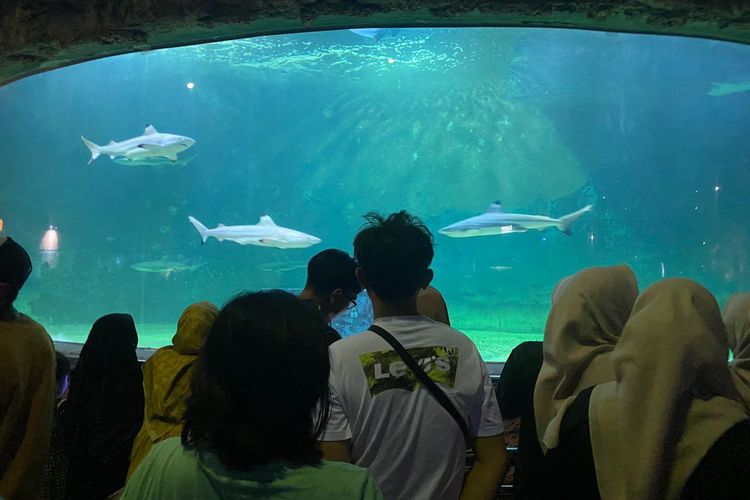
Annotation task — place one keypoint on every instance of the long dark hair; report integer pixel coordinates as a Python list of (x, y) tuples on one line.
[(260, 385)]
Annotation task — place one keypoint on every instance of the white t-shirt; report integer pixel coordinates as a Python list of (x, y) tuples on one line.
[(398, 430)]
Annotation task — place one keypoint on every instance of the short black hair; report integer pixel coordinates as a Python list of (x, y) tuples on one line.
[(15, 265), (394, 253), (332, 269), (260, 385)]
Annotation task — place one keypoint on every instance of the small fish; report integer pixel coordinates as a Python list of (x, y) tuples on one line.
[(164, 267), (282, 266), (151, 144), (719, 89), (663, 270), (500, 268)]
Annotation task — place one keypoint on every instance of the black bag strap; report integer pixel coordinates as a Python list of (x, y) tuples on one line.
[(431, 386)]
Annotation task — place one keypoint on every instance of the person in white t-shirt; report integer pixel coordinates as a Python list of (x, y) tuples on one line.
[(381, 416)]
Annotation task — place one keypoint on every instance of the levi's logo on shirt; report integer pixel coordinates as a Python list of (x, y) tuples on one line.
[(385, 370)]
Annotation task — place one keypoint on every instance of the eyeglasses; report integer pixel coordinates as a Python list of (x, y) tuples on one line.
[(353, 301)]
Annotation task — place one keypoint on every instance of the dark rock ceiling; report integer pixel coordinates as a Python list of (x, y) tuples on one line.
[(40, 35)]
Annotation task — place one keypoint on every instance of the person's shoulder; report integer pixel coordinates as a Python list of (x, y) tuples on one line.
[(352, 343), (168, 471), (338, 473), (531, 351), (32, 333), (450, 334), (171, 455), (330, 480), (530, 346), (168, 351), (31, 326), (170, 446), (334, 467), (170, 452)]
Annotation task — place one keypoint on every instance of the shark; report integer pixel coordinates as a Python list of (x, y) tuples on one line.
[(264, 234), (282, 266), (719, 89), (151, 144), (156, 161), (164, 267), (495, 221)]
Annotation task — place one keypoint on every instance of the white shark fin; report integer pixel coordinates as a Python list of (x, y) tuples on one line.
[(220, 225), (112, 141), (495, 208), (150, 129), (266, 220), (170, 156)]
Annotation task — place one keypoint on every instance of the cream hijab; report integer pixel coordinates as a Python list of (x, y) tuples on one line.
[(672, 397), (737, 320), (589, 310)]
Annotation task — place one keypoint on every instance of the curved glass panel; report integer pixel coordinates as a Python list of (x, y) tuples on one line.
[(317, 129)]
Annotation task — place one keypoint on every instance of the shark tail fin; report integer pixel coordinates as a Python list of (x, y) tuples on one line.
[(203, 230), (94, 148), (567, 221)]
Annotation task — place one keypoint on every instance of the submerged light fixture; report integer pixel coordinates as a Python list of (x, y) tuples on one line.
[(49, 247)]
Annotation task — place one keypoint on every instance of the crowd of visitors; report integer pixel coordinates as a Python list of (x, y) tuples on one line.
[(629, 397)]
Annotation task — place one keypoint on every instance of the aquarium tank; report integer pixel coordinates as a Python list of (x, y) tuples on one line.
[(125, 176)]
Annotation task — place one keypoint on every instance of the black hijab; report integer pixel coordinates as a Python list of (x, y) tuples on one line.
[(104, 409)]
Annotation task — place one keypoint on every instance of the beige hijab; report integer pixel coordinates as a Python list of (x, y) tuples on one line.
[(589, 310), (737, 320), (430, 303), (672, 397)]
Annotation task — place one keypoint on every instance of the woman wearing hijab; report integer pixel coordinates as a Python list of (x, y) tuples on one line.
[(104, 409), (430, 303), (670, 425), (589, 311), (737, 320), (166, 380)]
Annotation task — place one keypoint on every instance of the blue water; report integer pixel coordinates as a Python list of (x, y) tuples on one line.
[(317, 129)]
